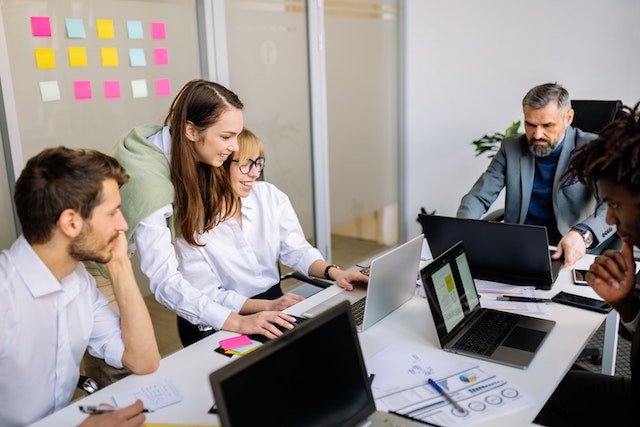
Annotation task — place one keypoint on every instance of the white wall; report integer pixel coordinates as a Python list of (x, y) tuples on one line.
[(469, 63)]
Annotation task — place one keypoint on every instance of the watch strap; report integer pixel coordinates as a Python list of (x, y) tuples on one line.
[(326, 271)]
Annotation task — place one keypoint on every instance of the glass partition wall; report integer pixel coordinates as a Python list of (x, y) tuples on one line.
[(268, 57)]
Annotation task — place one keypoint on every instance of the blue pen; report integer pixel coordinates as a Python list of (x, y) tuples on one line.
[(445, 395)]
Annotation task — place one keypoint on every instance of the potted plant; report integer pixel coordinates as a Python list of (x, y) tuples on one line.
[(490, 144)]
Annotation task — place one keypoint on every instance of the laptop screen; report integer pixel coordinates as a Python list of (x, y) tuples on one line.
[(313, 375), (450, 290), (496, 250)]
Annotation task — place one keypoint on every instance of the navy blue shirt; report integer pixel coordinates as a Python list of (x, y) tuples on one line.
[(541, 205)]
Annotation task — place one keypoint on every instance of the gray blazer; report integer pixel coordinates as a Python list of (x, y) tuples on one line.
[(513, 168)]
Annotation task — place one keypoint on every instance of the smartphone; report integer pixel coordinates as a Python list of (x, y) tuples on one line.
[(580, 276), (582, 302)]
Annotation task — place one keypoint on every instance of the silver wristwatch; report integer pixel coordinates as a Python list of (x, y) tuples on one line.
[(587, 236)]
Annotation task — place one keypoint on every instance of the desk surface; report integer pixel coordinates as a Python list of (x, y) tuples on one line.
[(411, 326)]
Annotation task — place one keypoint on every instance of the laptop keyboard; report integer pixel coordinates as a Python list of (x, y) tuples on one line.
[(487, 333), (357, 308)]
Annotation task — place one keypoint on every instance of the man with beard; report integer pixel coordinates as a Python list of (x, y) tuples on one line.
[(531, 168), (68, 203)]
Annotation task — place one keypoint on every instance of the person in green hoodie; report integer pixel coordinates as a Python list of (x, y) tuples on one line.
[(177, 187)]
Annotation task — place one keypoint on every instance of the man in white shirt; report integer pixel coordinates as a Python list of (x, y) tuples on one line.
[(68, 203)]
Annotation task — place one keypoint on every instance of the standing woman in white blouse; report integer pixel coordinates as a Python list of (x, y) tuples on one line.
[(236, 262), (178, 188)]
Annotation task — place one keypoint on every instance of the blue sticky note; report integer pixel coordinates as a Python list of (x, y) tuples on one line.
[(136, 57), (75, 28), (134, 29)]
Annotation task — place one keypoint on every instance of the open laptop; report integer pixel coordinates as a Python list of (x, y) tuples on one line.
[(392, 282), (455, 306), (517, 254), (327, 384)]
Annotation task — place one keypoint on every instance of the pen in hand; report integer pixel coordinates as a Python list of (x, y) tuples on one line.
[(446, 395), (100, 409)]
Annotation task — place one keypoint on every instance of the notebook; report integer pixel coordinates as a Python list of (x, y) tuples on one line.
[(455, 307), (517, 254), (392, 282), (314, 375)]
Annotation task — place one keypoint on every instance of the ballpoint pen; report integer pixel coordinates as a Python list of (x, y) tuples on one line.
[(521, 299), (446, 395)]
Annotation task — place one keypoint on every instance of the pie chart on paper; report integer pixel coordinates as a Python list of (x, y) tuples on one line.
[(468, 378)]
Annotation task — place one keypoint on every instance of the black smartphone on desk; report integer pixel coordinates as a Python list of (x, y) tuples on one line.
[(582, 302)]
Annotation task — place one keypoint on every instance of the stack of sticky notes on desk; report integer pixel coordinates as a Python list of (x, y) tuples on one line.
[(239, 345)]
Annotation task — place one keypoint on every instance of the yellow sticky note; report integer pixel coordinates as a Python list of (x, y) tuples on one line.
[(45, 58), (105, 28), (109, 56), (78, 56)]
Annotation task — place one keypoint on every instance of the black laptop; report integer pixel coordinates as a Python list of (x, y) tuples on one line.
[(464, 327), (517, 254), (313, 375)]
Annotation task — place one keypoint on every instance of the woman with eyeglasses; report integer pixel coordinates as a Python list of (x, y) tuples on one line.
[(237, 260), (178, 187)]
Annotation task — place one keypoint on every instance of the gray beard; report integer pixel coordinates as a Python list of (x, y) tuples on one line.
[(541, 151)]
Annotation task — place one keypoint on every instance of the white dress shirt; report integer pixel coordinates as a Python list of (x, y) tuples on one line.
[(46, 326), (152, 241), (238, 263)]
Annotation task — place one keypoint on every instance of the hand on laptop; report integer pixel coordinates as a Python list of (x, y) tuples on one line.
[(349, 279), (285, 301), (263, 323), (571, 247)]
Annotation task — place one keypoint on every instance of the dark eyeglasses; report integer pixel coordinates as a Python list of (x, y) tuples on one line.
[(245, 168)]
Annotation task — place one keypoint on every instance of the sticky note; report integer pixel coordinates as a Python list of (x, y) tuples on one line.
[(109, 56), (158, 31), (45, 58), (160, 56), (105, 28), (75, 28), (77, 56), (139, 88), (136, 57), (82, 89), (40, 26), (233, 342), (134, 30), (163, 87), (50, 91), (112, 89)]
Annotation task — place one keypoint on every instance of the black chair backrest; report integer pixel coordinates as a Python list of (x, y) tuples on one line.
[(593, 115)]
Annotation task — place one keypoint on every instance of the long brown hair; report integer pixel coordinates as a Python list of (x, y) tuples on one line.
[(204, 195)]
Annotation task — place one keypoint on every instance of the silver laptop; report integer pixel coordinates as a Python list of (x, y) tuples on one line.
[(465, 328), (392, 282), (327, 384)]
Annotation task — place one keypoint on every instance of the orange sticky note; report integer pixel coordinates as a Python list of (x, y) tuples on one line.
[(105, 28), (109, 56), (45, 58), (77, 56)]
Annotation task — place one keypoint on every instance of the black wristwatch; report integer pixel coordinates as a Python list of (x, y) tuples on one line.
[(586, 234), (326, 271)]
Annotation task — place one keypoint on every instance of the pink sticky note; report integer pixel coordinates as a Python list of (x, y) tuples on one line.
[(234, 342), (82, 89), (160, 56), (112, 89), (158, 31), (163, 87), (40, 26)]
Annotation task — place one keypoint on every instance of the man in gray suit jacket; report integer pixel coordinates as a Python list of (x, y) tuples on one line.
[(532, 167)]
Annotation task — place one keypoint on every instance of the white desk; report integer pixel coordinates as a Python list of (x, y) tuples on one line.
[(410, 326)]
